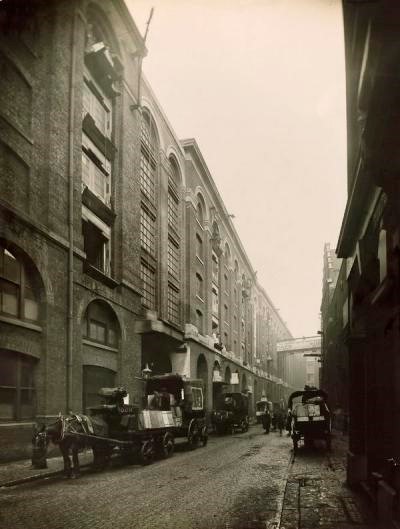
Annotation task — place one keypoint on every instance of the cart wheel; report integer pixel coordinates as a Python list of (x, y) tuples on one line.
[(147, 452), (167, 445), (193, 440), (204, 435)]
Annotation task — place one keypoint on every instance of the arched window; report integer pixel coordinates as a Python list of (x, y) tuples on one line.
[(200, 209), (199, 213), (100, 325), (199, 247), (18, 297), (236, 270), (199, 320), (199, 286)]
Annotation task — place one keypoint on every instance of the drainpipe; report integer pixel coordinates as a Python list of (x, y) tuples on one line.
[(70, 301)]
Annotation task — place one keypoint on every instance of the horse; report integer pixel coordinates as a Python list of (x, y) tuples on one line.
[(61, 433)]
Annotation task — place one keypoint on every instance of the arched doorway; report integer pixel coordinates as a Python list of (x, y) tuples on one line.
[(244, 384), (202, 373), (101, 336), (217, 382), (228, 376)]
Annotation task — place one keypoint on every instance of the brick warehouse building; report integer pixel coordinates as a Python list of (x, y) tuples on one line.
[(103, 212)]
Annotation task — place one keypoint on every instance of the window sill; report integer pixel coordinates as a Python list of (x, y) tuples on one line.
[(99, 345), (97, 274), (102, 142), (21, 323), (97, 206)]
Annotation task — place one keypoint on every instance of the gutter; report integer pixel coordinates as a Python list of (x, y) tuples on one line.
[(70, 277)]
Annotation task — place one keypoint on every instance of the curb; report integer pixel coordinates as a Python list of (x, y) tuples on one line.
[(36, 477)]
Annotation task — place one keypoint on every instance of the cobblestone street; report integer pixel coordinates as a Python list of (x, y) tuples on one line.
[(245, 481)]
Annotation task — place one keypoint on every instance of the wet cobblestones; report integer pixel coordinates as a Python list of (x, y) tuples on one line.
[(247, 481)]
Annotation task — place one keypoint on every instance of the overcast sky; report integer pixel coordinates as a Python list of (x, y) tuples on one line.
[(260, 85)]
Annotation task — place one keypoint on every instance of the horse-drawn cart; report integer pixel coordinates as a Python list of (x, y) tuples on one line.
[(172, 407)]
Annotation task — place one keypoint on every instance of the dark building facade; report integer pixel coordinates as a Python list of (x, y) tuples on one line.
[(370, 242), (116, 251)]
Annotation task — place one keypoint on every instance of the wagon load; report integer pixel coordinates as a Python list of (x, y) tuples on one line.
[(172, 406), (309, 417), (231, 412)]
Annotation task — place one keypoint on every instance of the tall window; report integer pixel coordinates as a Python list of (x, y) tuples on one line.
[(17, 296), (96, 241), (96, 104), (215, 268), (173, 210), (148, 276), (17, 386), (173, 304), (226, 341), (199, 286), (199, 320), (215, 300), (147, 230), (199, 247), (96, 170), (226, 313), (200, 213), (173, 258), (226, 283), (148, 164)]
